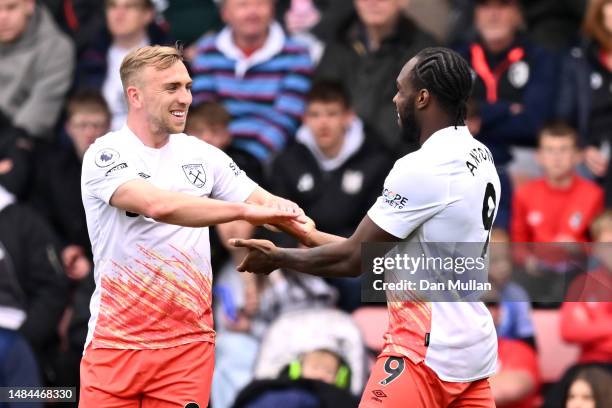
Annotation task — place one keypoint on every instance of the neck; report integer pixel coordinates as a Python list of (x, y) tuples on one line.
[(499, 45), (148, 135), (562, 182), (428, 129), (250, 42), (377, 34), (332, 151), (130, 41)]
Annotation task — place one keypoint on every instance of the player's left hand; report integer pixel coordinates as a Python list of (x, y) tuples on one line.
[(261, 256)]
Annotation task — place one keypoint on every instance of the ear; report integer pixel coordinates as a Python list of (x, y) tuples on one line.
[(422, 99), (134, 97)]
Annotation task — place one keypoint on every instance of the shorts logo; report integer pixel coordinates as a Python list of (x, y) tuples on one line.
[(195, 174), (117, 167), (379, 394), (192, 405), (106, 157)]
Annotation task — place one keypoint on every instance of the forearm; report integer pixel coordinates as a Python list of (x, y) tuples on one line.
[(338, 259), (189, 211), (317, 238)]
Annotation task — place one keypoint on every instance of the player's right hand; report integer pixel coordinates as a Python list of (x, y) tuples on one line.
[(261, 258), (260, 215)]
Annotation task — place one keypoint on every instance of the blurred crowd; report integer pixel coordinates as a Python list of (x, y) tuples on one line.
[(299, 93)]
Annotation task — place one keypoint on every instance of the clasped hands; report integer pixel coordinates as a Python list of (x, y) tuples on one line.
[(262, 257)]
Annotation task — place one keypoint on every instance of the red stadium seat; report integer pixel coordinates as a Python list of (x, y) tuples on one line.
[(554, 355), (372, 321)]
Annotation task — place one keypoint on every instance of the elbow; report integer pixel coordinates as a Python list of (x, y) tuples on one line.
[(157, 209)]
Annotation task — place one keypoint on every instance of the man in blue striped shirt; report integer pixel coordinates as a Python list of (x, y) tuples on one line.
[(257, 72)]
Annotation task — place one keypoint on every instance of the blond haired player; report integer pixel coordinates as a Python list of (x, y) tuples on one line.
[(149, 193)]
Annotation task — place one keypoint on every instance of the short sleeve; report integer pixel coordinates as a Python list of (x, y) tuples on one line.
[(106, 168), (231, 183), (411, 195)]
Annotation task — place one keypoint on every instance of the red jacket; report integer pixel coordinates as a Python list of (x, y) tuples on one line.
[(588, 323), (541, 213)]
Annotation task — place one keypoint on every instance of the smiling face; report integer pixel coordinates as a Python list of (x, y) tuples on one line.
[(163, 96)]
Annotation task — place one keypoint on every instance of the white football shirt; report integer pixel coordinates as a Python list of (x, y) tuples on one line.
[(153, 280), (442, 193)]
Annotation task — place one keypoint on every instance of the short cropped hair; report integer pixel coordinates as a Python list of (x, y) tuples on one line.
[(209, 113), (558, 129), (87, 101), (328, 91), (157, 56)]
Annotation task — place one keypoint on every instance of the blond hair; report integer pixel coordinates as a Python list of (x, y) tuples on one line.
[(602, 223), (156, 56)]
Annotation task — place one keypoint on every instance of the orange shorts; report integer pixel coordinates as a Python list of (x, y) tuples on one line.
[(396, 382), (176, 377)]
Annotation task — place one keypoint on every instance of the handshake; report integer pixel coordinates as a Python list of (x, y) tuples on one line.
[(279, 215)]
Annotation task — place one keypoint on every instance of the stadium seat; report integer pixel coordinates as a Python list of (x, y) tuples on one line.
[(372, 321), (554, 355)]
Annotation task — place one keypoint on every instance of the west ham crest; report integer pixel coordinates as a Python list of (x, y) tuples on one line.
[(195, 174)]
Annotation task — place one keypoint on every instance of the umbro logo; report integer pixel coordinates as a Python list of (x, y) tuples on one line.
[(143, 175)]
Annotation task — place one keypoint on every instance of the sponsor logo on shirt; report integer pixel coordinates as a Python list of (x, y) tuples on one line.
[(394, 199), (235, 169), (106, 157), (195, 174), (117, 167)]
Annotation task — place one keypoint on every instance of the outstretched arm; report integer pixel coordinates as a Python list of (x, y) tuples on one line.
[(341, 258), (141, 197)]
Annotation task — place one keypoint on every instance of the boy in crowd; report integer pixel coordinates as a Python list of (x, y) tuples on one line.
[(560, 206)]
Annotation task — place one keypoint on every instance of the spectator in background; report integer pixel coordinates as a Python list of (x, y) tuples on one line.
[(129, 25), (517, 381), (515, 80), (554, 24), (18, 365), (369, 49), (585, 98), (560, 206), (57, 185), (590, 389), (190, 19), (514, 306), (259, 74), (81, 19), (35, 276), (36, 67), (586, 316), (335, 164)]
